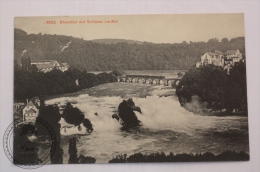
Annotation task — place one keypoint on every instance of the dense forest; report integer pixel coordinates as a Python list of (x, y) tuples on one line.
[(31, 83), (210, 87), (112, 54)]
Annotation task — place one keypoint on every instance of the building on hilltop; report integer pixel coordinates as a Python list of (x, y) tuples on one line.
[(215, 58), (233, 56), (49, 65)]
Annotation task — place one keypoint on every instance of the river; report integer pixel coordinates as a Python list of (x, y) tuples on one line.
[(166, 126)]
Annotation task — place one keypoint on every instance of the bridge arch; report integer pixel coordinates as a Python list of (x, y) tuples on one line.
[(161, 82), (170, 82), (141, 81), (148, 81), (135, 80), (155, 81), (174, 83)]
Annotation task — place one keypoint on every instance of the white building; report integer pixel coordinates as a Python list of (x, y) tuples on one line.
[(234, 56), (215, 58), (49, 65), (30, 112)]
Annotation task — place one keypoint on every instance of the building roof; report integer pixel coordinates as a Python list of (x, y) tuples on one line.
[(219, 52), (43, 64), (231, 52), (65, 65), (210, 53), (30, 111), (30, 103)]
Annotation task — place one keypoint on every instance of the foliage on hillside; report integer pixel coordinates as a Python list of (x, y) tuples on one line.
[(115, 41), (214, 87), (91, 55)]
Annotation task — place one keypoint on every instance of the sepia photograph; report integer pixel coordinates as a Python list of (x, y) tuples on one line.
[(129, 89)]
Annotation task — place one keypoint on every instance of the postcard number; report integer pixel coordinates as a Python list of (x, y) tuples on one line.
[(50, 22)]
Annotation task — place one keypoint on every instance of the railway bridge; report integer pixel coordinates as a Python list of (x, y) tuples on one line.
[(147, 79)]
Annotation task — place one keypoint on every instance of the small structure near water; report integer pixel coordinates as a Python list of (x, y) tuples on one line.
[(31, 110)]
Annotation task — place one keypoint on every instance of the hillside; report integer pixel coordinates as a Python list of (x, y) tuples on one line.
[(115, 41), (127, 55)]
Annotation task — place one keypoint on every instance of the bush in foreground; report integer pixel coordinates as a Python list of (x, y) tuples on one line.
[(184, 157)]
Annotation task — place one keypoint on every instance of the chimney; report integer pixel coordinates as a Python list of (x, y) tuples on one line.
[(27, 101)]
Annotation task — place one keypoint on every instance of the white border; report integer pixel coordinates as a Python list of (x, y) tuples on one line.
[(10, 9)]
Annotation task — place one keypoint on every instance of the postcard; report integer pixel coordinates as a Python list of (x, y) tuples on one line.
[(129, 89)]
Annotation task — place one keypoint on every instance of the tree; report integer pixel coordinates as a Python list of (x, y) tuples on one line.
[(180, 74), (50, 114), (73, 157), (117, 73), (72, 115), (224, 40), (33, 68), (86, 122), (213, 40), (210, 83), (184, 43), (238, 87)]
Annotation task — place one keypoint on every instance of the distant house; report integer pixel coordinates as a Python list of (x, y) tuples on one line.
[(233, 56), (64, 66), (198, 64), (215, 58), (46, 65), (31, 111), (49, 65)]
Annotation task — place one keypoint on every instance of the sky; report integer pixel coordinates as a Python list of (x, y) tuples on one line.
[(173, 28)]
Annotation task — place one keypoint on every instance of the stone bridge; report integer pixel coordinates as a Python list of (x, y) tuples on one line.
[(146, 79)]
